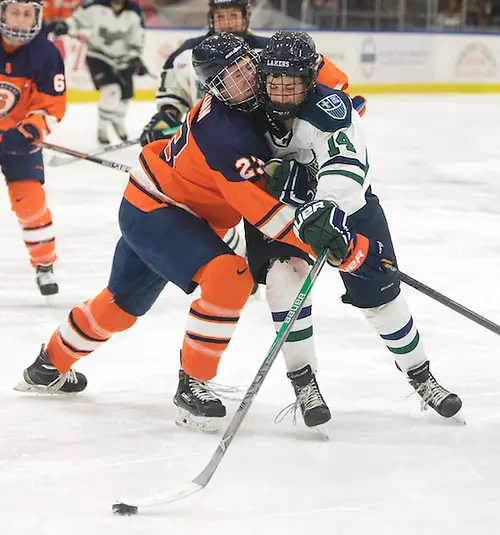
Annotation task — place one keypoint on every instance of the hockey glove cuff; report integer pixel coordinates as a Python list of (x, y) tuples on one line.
[(288, 181), (366, 258)]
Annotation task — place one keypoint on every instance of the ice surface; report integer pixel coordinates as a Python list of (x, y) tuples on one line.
[(388, 469)]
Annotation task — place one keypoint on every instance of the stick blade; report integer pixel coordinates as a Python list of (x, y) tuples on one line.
[(125, 509)]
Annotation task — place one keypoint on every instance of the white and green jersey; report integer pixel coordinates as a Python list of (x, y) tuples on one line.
[(327, 134)]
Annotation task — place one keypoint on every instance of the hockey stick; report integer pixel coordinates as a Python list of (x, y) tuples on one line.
[(59, 161), (85, 156), (202, 479), (446, 301)]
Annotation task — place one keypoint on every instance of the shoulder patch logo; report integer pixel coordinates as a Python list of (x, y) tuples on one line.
[(333, 106)]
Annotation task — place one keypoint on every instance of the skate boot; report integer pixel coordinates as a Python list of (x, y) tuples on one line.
[(309, 399), (43, 377), (102, 137), (45, 279), (198, 406), (119, 128), (432, 393)]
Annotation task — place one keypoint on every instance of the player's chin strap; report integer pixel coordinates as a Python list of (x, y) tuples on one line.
[(86, 156), (446, 301)]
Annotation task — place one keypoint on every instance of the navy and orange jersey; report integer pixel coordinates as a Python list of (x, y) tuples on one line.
[(54, 10), (32, 87), (213, 169)]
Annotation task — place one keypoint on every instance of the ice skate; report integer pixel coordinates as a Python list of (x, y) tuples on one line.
[(44, 378), (433, 395), (45, 279), (198, 408), (308, 399), (119, 128), (102, 136)]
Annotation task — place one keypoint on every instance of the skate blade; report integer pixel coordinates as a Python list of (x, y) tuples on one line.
[(323, 430), (25, 387), (200, 424), (459, 418)]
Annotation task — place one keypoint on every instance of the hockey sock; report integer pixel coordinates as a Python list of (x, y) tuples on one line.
[(85, 329), (284, 280), (28, 202), (226, 284), (396, 327)]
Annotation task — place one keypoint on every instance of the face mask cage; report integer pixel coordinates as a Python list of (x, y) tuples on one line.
[(15, 34), (236, 84)]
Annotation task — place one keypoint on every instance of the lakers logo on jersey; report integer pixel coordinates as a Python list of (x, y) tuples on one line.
[(9, 97)]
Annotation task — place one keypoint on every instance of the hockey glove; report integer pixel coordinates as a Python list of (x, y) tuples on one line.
[(163, 125), (366, 258), (61, 28), (138, 65), (322, 224), (288, 181), (359, 104), (15, 141)]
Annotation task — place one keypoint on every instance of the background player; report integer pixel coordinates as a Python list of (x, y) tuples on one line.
[(321, 127), (32, 101), (114, 49)]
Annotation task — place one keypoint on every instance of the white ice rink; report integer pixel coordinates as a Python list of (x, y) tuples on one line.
[(388, 468)]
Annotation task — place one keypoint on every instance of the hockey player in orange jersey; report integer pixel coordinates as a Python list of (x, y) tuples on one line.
[(32, 101), (183, 197)]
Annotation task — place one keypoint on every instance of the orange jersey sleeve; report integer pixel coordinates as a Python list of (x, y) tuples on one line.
[(213, 169), (330, 75), (32, 88), (59, 9)]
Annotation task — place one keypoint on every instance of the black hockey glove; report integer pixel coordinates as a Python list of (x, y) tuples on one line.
[(61, 28), (163, 125), (322, 224), (288, 181), (138, 65)]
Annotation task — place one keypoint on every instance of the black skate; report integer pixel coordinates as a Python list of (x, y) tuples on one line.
[(198, 406), (45, 279), (432, 393), (309, 399), (43, 378)]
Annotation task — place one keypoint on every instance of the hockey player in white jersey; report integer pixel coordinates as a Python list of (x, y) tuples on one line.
[(113, 57), (319, 126)]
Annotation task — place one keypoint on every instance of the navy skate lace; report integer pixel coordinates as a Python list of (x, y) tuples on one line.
[(309, 397)]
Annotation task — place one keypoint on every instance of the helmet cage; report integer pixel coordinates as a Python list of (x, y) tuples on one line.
[(226, 85), (14, 34), (279, 60)]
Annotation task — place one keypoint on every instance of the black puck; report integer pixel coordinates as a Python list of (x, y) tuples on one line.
[(123, 509)]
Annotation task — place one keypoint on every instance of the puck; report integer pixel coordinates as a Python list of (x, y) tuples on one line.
[(124, 509)]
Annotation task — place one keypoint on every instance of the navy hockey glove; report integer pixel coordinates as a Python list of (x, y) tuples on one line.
[(288, 181), (15, 141), (138, 66), (60, 28), (322, 224), (366, 258), (163, 125), (359, 104)]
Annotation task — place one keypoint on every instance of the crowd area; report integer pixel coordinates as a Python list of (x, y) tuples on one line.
[(448, 15)]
